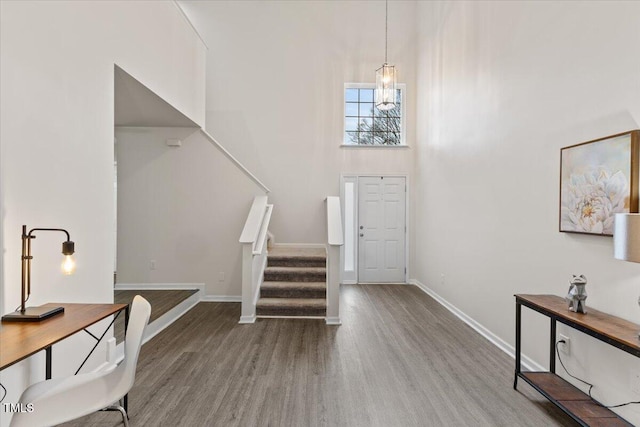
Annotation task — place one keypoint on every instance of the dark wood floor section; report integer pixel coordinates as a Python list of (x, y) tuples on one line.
[(399, 359), (161, 302)]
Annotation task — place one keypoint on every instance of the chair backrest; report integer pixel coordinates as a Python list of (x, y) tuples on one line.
[(138, 320)]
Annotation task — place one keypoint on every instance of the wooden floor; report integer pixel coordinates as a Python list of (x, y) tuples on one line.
[(161, 302), (399, 359)]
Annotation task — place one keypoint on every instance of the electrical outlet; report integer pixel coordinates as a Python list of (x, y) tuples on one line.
[(221, 276), (635, 383), (442, 278), (152, 264), (565, 346)]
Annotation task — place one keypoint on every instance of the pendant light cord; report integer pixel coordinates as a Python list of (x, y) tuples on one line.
[(386, 26)]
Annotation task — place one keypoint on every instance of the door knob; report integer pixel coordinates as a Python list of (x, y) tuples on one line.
[(361, 234), (361, 227)]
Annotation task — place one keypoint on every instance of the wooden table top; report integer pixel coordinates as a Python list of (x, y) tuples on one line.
[(19, 340), (612, 327)]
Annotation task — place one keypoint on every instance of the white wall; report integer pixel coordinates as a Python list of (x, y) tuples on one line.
[(183, 207), (275, 80), (502, 86), (56, 139)]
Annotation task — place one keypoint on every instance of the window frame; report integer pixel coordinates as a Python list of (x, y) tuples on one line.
[(403, 112)]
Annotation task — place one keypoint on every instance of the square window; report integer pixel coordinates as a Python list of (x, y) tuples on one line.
[(351, 109), (365, 124), (380, 138), (366, 95), (351, 124), (365, 138), (393, 138), (366, 109), (351, 95), (350, 138)]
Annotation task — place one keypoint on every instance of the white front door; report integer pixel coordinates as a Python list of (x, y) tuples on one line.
[(381, 229)]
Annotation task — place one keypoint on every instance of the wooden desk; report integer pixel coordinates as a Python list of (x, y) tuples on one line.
[(19, 340), (609, 329)]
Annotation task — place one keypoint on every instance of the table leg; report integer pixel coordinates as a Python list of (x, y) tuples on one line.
[(47, 356), (552, 346), (518, 341)]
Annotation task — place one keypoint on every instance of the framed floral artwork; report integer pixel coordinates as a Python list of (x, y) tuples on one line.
[(598, 179)]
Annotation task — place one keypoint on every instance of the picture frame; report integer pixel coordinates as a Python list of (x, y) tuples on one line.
[(598, 179)]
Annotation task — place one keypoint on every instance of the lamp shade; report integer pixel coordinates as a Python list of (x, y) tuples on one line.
[(386, 87), (626, 237)]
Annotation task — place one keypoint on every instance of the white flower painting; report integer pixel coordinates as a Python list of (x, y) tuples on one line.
[(596, 184)]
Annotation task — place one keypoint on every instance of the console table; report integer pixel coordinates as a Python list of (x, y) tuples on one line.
[(19, 340), (609, 329)]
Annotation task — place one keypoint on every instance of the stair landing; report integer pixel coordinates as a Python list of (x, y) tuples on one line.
[(287, 256)]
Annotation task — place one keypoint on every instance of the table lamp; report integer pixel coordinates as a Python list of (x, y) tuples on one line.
[(626, 238), (35, 314)]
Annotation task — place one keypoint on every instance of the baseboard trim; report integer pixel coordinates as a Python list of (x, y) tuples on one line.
[(527, 362), (158, 286), (332, 321), (247, 320), (171, 316), (291, 317), (221, 298), (383, 283)]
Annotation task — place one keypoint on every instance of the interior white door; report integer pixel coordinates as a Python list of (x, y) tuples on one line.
[(381, 229)]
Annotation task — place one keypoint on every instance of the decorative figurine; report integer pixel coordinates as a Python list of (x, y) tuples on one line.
[(577, 294)]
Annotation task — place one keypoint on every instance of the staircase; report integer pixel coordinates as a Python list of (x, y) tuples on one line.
[(294, 283)]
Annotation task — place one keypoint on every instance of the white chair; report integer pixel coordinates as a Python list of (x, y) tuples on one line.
[(60, 400)]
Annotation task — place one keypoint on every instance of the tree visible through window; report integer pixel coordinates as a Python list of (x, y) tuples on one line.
[(367, 125)]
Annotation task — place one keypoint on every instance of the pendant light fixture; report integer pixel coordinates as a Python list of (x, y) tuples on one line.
[(386, 75)]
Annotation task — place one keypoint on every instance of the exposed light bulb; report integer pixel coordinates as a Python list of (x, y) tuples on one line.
[(68, 265)]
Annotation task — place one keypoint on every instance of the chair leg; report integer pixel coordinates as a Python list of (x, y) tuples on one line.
[(125, 416)]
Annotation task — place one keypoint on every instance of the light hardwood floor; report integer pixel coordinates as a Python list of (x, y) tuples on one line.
[(399, 359)]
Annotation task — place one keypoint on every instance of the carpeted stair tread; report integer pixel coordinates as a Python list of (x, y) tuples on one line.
[(283, 269), (295, 274), (291, 307), (298, 302), (293, 290), (291, 256), (296, 261), (294, 257)]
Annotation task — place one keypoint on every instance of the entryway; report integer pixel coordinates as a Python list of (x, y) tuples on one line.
[(375, 229)]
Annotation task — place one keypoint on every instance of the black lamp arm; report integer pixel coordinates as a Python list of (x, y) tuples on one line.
[(31, 236), (67, 249)]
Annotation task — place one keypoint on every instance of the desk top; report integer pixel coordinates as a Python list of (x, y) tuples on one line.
[(19, 340), (613, 328)]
